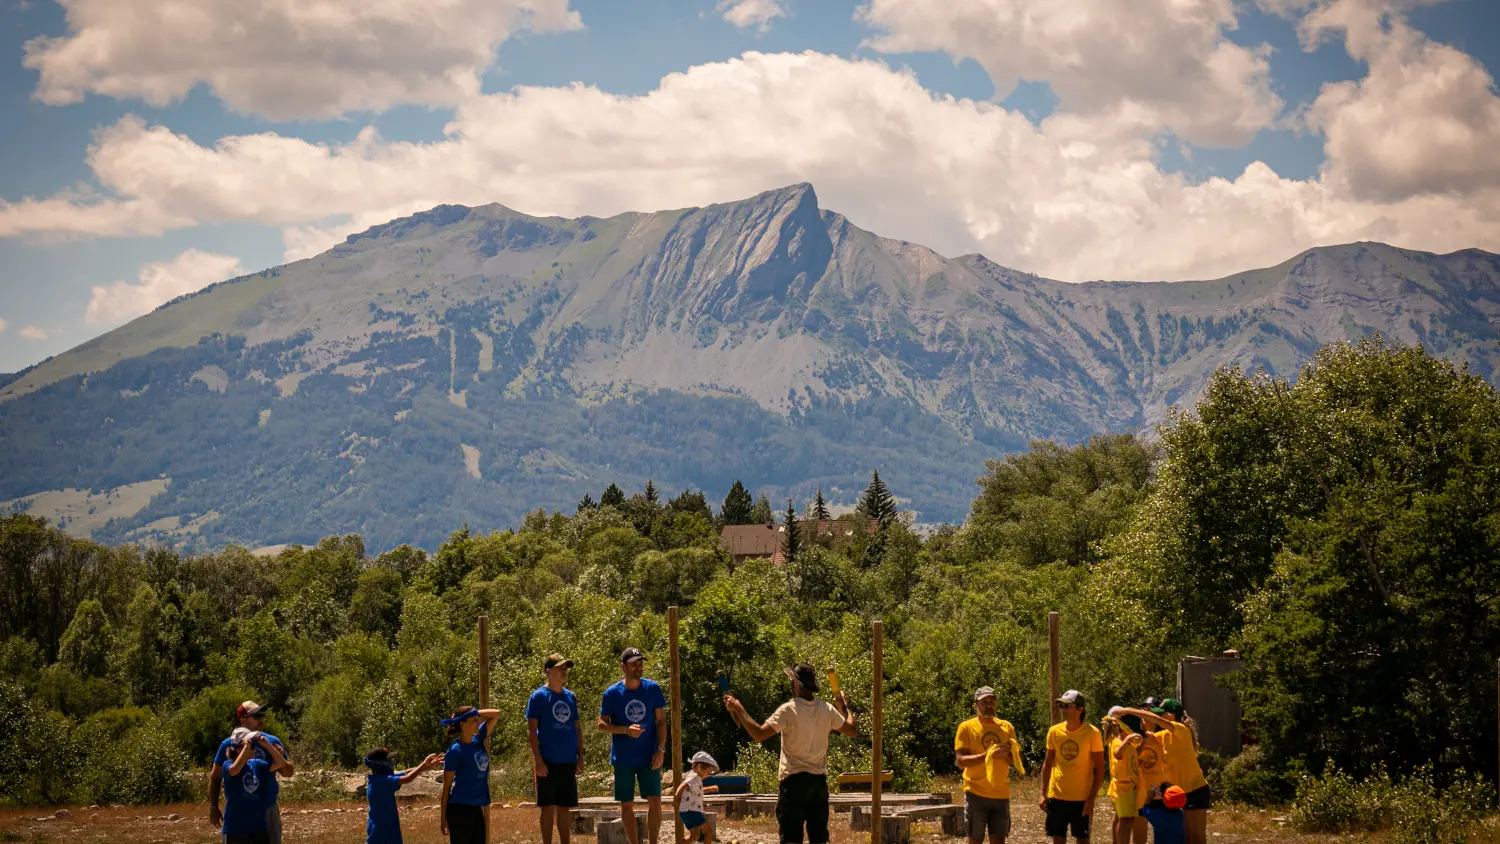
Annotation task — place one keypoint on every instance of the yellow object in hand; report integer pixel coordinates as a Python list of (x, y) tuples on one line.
[(833, 680)]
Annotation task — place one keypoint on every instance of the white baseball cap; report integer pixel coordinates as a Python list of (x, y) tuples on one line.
[(702, 758)]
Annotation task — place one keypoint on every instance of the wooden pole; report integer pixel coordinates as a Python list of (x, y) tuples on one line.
[(877, 727), (676, 691), (1054, 663), (1497, 706), (484, 693)]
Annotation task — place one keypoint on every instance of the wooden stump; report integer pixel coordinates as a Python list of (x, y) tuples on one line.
[(583, 825), (610, 832), (895, 829)]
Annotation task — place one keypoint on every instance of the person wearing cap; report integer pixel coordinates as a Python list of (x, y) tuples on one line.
[(246, 787), (1072, 771), (1165, 813), (555, 733), (1180, 755), (251, 716), (383, 825), (634, 712), (804, 723), (465, 799), (1125, 775), (689, 798), (982, 750)]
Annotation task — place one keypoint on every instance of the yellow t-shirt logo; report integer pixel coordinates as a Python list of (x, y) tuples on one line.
[(989, 740), (1069, 750), (1146, 758)]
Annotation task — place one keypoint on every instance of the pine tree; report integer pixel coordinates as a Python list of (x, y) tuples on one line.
[(738, 508), (587, 503), (612, 497), (820, 509), (650, 491), (877, 503), (793, 542), (760, 514)]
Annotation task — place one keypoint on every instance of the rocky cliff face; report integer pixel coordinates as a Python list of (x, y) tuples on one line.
[(447, 324)]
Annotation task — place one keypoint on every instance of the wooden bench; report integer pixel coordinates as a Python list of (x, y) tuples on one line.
[(859, 781), (951, 815)]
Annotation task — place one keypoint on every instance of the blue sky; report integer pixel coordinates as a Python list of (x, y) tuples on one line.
[(1141, 159)]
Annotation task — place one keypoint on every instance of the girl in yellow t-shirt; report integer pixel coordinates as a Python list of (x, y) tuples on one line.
[(1124, 780)]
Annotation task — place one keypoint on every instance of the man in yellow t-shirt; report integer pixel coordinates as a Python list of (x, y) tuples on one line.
[(981, 749), (1073, 771)]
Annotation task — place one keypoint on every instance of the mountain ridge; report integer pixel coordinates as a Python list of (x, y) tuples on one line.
[(465, 322)]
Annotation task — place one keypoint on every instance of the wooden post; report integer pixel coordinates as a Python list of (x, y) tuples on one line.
[(877, 726), (1054, 663), (1497, 707), (484, 692), (676, 691)]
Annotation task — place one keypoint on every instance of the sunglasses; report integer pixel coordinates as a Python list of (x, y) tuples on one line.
[(1065, 706)]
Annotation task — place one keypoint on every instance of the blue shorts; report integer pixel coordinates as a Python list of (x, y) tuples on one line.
[(693, 820), (627, 777)]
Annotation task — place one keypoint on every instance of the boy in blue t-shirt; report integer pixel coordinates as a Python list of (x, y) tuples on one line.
[(555, 734), (247, 791), (1164, 813), (384, 825)]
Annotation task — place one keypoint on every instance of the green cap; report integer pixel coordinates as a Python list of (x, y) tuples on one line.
[(1174, 706)]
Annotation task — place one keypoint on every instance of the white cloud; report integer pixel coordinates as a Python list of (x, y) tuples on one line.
[(1076, 197), (158, 282), (3, 325), (748, 13), (1424, 119), (280, 58), (33, 332), (1161, 63)]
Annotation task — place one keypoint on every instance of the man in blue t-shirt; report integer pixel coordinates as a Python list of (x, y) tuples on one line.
[(634, 713), (248, 771), (555, 734), (250, 716)]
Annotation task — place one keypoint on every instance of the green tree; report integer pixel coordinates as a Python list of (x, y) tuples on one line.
[(376, 605), (613, 497), (820, 508), (760, 514), (792, 545), (877, 503), (650, 492), (87, 643), (586, 503), (738, 508), (691, 501)]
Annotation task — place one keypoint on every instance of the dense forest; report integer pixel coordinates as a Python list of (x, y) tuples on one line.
[(1342, 531)]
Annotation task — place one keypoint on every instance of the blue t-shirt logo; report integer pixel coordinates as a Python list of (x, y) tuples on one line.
[(635, 711), (251, 782), (561, 712), (482, 761)]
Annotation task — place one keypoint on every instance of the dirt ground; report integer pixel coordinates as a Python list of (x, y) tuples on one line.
[(344, 823)]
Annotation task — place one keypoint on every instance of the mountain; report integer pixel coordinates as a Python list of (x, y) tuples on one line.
[(463, 364)]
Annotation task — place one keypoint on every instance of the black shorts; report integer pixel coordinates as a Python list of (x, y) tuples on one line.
[(802, 800), (465, 824), (1065, 814), (260, 836), (1200, 798), (559, 787)]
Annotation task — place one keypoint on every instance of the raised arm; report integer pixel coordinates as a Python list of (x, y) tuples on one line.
[(247, 751), (848, 728), (279, 761), (432, 760), (1147, 716), (758, 731)]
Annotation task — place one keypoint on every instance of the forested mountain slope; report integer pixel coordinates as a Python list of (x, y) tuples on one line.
[(464, 363)]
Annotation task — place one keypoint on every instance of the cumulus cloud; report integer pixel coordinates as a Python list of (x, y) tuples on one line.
[(1160, 63), (748, 13), (1424, 119), (33, 332), (280, 58), (1075, 197), (159, 282)]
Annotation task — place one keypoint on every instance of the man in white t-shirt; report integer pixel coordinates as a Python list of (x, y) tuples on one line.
[(804, 723)]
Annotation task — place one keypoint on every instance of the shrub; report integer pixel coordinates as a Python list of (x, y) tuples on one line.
[(1416, 809), (314, 787), (1248, 778), (36, 745)]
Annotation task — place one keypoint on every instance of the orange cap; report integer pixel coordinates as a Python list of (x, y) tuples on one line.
[(1174, 797)]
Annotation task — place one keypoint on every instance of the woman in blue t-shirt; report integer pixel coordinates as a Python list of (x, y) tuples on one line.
[(247, 792), (466, 774)]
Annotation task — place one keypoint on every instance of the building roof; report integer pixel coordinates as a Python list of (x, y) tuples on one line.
[(752, 540)]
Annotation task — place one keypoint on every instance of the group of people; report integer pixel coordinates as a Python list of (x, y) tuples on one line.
[(1152, 765), (1149, 753)]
